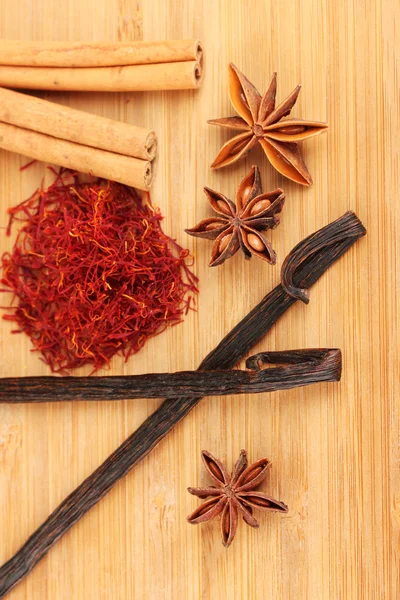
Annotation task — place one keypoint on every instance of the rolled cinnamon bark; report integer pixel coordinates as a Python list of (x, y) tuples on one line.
[(125, 169), (76, 126), (97, 54), (137, 78)]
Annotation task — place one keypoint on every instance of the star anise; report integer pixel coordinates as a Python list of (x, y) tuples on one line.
[(239, 226), (260, 121), (233, 495)]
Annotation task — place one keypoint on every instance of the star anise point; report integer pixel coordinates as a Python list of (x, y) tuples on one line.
[(260, 121), (234, 495), (239, 226)]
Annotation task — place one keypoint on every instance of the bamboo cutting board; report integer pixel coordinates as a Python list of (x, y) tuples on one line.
[(334, 447)]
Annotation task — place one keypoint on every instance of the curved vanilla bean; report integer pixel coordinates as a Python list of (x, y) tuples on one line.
[(346, 226), (230, 350), (305, 367), (302, 367)]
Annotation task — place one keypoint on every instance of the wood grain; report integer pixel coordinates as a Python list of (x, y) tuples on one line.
[(335, 449)]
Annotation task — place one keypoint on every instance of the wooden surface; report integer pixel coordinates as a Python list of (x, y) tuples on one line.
[(334, 447)]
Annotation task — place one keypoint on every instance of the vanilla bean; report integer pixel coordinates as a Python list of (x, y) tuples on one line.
[(305, 367), (234, 346), (344, 227)]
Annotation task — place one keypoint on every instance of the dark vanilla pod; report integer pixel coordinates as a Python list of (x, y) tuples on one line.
[(305, 367)]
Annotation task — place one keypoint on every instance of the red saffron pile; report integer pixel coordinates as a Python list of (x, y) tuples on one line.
[(92, 273)]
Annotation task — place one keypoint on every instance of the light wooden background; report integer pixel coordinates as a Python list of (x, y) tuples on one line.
[(334, 447)]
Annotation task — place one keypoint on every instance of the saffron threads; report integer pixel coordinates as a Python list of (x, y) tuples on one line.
[(92, 273)]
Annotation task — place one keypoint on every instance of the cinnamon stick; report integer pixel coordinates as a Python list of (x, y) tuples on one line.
[(97, 54), (137, 78), (76, 126), (134, 172), (229, 351), (304, 367)]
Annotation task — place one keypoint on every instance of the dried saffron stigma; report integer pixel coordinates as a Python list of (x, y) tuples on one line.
[(92, 273)]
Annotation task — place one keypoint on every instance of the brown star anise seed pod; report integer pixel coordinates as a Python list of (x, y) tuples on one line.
[(260, 121), (233, 495), (239, 226)]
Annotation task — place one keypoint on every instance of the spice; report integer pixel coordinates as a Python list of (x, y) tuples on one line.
[(311, 246), (134, 172), (233, 495), (101, 66), (97, 54), (77, 126), (92, 274), (260, 121), (185, 75), (239, 226), (234, 346), (303, 367)]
